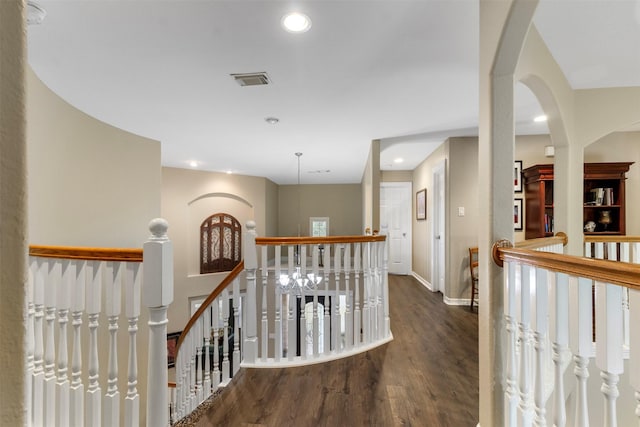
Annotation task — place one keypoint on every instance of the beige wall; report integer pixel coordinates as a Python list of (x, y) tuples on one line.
[(90, 184), (396, 176), (371, 188), (341, 203), (422, 230), (188, 198)]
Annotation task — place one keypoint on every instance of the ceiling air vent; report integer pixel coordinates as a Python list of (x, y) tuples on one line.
[(251, 79)]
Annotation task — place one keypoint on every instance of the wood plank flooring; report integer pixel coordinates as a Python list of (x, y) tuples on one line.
[(427, 376)]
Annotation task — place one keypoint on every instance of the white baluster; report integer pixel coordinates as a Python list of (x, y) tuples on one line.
[(539, 323), (225, 332), (598, 250), (236, 325), (366, 279), (382, 286), (587, 250), (625, 257), (41, 272), (278, 349), (132, 283), (316, 326), (93, 414), (206, 336), (327, 298), (264, 318), (250, 265), (157, 294), (385, 289), (511, 392), (216, 342), (291, 318), (634, 347), (197, 338), (609, 357), (113, 287), (50, 291), (63, 303), (348, 314), (580, 326), (301, 298), (191, 345), (523, 310), (76, 404), (30, 341), (335, 339), (559, 337), (357, 325)]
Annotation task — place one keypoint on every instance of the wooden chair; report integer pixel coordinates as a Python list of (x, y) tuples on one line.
[(473, 271)]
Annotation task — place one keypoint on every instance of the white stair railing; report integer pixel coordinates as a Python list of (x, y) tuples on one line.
[(67, 283), (567, 281), (250, 321)]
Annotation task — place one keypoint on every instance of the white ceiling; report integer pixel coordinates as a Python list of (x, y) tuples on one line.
[(404, 72)]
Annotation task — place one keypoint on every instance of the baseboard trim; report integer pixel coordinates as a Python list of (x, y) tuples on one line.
[(456, 301), (422, 281)]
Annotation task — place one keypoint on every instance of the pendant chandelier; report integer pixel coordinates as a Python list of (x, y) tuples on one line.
[(296, 283)]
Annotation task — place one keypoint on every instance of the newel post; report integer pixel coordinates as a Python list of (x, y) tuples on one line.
[(250, 266), (157, 294)]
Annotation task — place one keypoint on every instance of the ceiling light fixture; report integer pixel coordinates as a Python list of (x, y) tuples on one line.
[(540, 119), (193, 164), (399, 160), (229, 172), (296, 22), (272, 120)]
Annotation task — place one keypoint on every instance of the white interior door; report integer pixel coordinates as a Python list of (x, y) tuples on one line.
[(438, 246), (395, 223)]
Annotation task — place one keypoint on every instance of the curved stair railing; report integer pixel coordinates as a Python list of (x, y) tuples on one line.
[(252, 320), (83, 311)]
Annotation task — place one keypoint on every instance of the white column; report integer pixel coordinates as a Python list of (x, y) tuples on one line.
[(157, 294)]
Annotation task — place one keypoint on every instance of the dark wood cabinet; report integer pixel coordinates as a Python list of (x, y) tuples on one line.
[(603, 199)]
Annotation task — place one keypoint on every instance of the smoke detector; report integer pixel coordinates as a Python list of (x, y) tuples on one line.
[(252, 79)]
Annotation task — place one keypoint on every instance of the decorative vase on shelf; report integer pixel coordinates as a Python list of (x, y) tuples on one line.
[(605, 219)]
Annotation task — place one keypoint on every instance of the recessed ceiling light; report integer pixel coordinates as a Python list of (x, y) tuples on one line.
[(296, 22), (542, 118), (193, 164), (272, 120), (398, 160), (229, 172)]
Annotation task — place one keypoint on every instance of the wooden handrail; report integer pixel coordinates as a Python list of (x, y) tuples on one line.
[(560, 237), (90, 254), (614, 272), (591, 238), (275, 241), (212, 296)]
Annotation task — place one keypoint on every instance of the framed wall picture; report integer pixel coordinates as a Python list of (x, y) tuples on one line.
[(421, 204), (172, 343), (517, 214), (517, 176)]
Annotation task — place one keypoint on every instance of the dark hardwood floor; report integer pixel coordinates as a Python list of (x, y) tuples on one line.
[(427, 376)]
